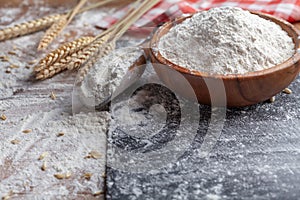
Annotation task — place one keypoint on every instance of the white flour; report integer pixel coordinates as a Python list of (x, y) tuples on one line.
[(226, 41), (20, 169), (107, 74)]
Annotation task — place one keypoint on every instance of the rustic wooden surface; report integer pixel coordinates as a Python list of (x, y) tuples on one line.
[(24, 96), (28, 105)]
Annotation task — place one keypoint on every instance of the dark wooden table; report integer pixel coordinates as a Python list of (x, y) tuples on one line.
[(257, 156)]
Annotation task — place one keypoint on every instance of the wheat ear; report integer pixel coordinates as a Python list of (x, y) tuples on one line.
[(52, 32), (58, 66), (55, 61), (28, 27), (82, 56), (62, 51)]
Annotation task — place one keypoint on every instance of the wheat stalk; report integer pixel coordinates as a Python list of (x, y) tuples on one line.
[(120, 29), (28, 27), (58, 26), (76, 10), (82, 57)]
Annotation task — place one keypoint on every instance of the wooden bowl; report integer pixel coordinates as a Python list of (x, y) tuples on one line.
[(240, 89)]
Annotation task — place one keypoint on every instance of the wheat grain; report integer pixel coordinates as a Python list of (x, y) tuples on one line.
[(43, 155), (87, 176), (44, 166), (28, 27), (52, 32), (32, 62), (13, 66), (287, 91), (272, 99), (3, 117), (27, 131), (15, 141), (68, 175), (15, 47), (53, 95), (8, 195), (63, 176), (62, 51), (59, 176), (12, 53), (4, 58), (60, 134), (94, 154), (97, 193)]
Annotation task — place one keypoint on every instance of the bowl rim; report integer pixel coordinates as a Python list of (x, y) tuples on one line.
[(254, 74)]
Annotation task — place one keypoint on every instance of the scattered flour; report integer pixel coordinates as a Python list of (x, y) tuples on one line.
[(107, 74), (20, 169), (226, 40), (27, 105)]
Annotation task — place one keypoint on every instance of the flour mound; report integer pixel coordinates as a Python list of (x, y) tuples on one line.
[(226, 40), (106, 75)]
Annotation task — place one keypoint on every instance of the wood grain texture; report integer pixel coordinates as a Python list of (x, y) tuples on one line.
[(27, 96), (22, 99), (297, 25)]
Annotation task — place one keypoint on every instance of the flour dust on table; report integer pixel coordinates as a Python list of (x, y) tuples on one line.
[(52, 160)]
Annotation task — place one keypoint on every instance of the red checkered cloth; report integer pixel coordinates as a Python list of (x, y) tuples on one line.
[(169, 9)]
